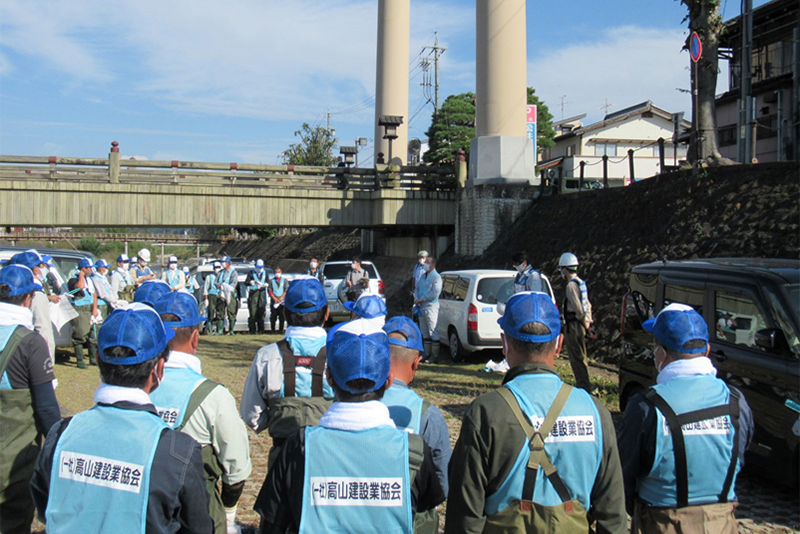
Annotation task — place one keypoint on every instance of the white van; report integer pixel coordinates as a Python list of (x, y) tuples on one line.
[(335, 272), (468, 311)]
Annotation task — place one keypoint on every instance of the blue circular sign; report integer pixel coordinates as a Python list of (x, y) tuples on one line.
[(695, 47)]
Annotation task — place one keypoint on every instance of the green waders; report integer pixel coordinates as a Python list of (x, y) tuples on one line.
[(83, 335)]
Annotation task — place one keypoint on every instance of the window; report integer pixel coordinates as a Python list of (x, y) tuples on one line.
[(684, 295), (570, 150), (737, 319), (447, 287), (494, 290), (460, 289), (605, 149), (641, 301)]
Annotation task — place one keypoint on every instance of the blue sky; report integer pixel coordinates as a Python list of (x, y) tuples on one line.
[(231, 81)]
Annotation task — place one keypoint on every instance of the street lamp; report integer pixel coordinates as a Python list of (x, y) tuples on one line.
[(390, 124), (360, 142), (349, 153)]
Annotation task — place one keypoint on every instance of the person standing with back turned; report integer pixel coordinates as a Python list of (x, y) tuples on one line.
[(577, 319)]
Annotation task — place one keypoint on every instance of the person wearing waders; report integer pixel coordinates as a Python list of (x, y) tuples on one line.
[(577, 319), (228, 283), (256, 282), (536, 454), (682, 441), (118, 467), (355, 471), (211, 292), (204, 409), (412, 413), (84, 299), (28, 405)]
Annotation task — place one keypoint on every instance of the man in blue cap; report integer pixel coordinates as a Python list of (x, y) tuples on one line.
[(228, 284), (105, 295), (216, 309), (368, 307), (150, 292), (285, 388), (356, 471), (118, 464), (536, 453), (28, 405), (84, 299), (121, 281), (204, 409), (174, 276), (682, 442), (40, 305), (412, 413), (277, 295), (256, 282)]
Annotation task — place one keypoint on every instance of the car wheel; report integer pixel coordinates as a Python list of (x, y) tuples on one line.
[(457, 353)]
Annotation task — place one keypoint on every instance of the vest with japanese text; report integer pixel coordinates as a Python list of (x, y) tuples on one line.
[(709, 444), (405, 408), (356, 481), (100, 480), (172, 397)]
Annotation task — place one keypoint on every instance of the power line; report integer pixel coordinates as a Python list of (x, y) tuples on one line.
[(436, 51)]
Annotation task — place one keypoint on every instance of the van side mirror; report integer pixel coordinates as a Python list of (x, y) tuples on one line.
[(501, 308), (771, 339)]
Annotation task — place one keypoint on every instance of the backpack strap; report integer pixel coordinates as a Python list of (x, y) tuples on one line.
[(290, 363), (13, 342), (318, 373), (733, 403), (196, 399), (678, 445), (416, 455), (536, 439)]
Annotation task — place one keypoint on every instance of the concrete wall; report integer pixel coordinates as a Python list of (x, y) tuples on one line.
[(483, 212)]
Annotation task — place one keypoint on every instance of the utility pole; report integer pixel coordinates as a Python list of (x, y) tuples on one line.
[(437, 52), (606, 106), (744, 135), (563, 105)]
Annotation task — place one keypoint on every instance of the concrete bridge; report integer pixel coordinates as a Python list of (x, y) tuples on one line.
[(54, 191)]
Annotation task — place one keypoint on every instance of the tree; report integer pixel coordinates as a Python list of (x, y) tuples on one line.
[(454, 127), (544, 122), (704, 18), (451, 129), (315, 147)]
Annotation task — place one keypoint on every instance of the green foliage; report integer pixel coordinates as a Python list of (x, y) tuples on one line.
[(454, 127), (315, 147), (90, 244), (544, 122), (451, 129)]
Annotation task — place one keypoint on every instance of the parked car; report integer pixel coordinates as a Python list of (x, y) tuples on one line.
[(242, 268), (335, 288), (751, 310), (64, 261), (468, 309)]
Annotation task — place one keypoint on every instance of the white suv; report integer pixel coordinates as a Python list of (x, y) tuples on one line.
[(468, 309), (335, 288)]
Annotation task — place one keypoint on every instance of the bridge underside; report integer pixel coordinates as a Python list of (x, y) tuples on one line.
[(63, 203)]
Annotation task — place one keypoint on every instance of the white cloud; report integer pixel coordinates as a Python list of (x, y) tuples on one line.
[(626, 65)]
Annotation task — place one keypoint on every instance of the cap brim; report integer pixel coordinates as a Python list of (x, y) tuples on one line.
[(649, 324), (350, 305)]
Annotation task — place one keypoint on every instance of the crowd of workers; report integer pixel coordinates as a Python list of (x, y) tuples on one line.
[(354, 448)]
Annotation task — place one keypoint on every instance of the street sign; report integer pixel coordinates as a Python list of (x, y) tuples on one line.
[(695, 47), (532, 129)]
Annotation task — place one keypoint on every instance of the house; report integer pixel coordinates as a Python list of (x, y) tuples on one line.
[(774, 83), (637, 128)]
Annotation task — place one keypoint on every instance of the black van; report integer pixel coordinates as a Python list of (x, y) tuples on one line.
[(751, 309)]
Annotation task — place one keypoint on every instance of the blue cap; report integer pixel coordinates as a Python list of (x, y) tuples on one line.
[(408, 328), (358, 351), (185, 269), (226, 259), (123, 258), (305, 295), (676, 325), (84, 262), (259, 263), (44, 258), (101, 263), (19, 279), (367, 306), (137, 327), (150, 291), (530, 307), (183, 305), (27, 259)]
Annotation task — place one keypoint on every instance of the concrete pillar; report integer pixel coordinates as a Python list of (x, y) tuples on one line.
[(391, 81), (501, 151)]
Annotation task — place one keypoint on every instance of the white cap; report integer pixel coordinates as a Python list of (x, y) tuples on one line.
[(422, 253), (173, 259), (144, 254)]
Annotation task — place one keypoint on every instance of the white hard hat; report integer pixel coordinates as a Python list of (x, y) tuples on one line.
[(568, 259), (422, 253), (144, 254)]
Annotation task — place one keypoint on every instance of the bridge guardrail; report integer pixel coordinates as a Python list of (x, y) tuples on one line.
[(116, 170)]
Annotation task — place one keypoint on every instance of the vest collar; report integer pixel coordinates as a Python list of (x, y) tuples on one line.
[(107, 394), (527, 369), (183, 360), (356, 416)]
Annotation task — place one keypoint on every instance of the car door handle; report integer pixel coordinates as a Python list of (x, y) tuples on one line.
[(720, 355)]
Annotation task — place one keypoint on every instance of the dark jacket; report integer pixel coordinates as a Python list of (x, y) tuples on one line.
[(178, 499), (488, 447), (280, 501)]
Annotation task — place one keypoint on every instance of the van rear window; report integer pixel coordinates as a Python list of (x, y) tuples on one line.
[(494, 290), (335, 271)]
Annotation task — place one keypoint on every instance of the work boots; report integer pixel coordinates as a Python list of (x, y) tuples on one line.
[(79, 356), (435, 348), (92, 354), (427, 346), (220, 327)]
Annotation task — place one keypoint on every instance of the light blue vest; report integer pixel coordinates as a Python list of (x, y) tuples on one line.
[(173, 278), (709, 444), (258, 278), (302, 346), (355, 481), (427, 286), (5, 335), (405, 408), (521, 281), (278, 290), (139, 272), (226, 277), (88, 294), (100, 480), (211, 285), (574, 445), (100, 279), (172, 397)]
